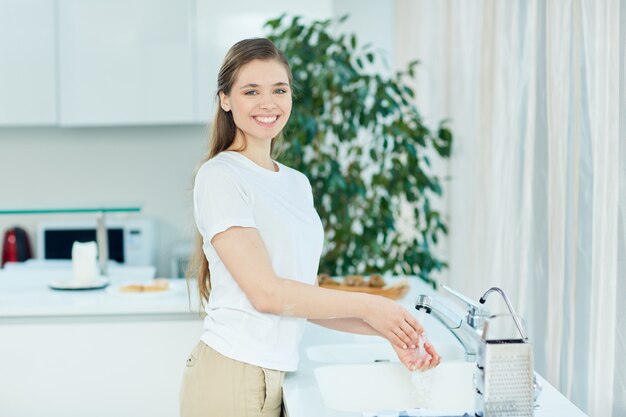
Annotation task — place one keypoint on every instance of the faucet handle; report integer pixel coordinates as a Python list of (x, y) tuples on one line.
[(476, 313), (475, 308)]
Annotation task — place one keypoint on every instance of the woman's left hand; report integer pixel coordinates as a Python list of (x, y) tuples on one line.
[(415, 360)]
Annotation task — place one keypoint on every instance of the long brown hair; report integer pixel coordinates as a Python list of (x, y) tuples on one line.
[(223, 132)]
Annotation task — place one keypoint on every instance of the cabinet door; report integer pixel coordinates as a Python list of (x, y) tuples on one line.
[(27, 63), (125, 62), (219, 25)]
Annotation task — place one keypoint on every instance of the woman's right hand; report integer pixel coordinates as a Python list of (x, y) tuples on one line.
[(393, 322), (420, 358)]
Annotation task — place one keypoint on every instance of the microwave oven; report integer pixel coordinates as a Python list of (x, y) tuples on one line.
[(131, 241)]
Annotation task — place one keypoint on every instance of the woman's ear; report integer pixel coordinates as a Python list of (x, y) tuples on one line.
[(224, 102)]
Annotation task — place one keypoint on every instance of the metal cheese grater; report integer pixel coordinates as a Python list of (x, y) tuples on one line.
[(504, 381)]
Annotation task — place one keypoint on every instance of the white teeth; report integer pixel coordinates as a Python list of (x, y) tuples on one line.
[(267, 119)]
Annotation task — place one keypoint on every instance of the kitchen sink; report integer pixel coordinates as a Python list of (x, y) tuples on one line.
[(373, 352), (446, 390)]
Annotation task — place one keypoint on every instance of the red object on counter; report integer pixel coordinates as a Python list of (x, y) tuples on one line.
[(16, 247)]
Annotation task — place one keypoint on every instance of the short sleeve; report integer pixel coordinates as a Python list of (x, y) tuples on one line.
[(309, 188), (220, 201)]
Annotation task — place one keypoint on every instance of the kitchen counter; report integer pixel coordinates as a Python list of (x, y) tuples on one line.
[(303, 399), (95, 352), (64, 353), (25, 294)]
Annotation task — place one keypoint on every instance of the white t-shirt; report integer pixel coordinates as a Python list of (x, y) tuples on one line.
[(231, 190)]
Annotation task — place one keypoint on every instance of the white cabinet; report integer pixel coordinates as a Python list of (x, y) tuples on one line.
[(27, 63), (126, 62), (123, 62), (219, 25), (125, 365)]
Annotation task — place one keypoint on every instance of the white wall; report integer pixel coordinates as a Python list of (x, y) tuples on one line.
[(60, 167), (372, 21)]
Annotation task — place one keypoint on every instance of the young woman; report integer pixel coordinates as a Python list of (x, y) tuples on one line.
[(260, 245)]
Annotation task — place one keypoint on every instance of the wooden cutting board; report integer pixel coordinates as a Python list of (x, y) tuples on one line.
[(394, 291)]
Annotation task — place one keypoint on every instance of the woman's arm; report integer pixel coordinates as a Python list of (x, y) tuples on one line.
[(243, 252), (348, 325)]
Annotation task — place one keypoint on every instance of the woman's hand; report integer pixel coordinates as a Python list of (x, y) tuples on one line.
[(418, 359), (393, 322)]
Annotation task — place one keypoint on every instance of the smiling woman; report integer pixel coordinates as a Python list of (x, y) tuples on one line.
[(260, 102), (258, 254)]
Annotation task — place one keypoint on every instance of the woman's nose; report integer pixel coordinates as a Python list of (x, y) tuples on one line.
[(268, 103)]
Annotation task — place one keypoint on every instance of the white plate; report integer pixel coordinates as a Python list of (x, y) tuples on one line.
[(115, 290), (94, 284)]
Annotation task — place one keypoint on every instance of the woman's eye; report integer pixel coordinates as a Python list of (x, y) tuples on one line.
[(250, 93), (280, 91)]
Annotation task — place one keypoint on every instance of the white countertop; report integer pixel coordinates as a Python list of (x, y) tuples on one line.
[(303, 399), (25, 294)]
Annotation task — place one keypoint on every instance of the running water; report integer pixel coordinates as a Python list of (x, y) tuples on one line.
[(421, 379)]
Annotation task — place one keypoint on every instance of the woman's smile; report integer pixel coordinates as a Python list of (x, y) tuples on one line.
[(266, 121)]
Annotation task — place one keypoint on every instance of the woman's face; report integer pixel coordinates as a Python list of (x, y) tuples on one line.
[(260, 99)]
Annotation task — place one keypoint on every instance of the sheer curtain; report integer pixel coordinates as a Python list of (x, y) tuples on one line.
[(535, 91)]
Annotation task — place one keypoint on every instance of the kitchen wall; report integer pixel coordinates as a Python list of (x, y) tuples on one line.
[(60, 167), (373, 22)]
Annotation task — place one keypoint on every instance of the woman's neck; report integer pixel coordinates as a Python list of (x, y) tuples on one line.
[(257, 151)]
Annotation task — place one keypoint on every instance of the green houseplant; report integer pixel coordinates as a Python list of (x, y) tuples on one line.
[(359, 138)]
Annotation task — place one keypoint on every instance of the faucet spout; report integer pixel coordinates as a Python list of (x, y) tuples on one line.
[(510, 307), (466, 335)]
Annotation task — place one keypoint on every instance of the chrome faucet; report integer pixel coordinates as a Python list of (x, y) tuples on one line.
[(469, 332), (466, 330)]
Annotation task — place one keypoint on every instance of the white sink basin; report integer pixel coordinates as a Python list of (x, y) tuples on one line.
[(373, 352), (389, 386)]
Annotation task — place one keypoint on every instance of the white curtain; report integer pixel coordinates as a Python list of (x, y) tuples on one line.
[(536, 94)]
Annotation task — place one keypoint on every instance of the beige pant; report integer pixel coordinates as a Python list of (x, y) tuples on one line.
[(216, 386)]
